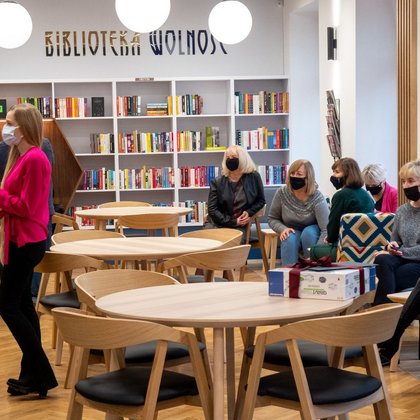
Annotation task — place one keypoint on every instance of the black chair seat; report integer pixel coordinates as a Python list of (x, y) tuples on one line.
[(128, 386), (196, 278), (312, 354), (68, 299), (145, 352), (327, 385)]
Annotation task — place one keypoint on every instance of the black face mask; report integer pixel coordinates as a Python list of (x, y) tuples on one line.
[(376, 189), (337, 182), (232, 164), (297, 183), (412, 193)]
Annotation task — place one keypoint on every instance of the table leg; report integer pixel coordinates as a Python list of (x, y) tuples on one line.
[(218, 373), (230, 371)]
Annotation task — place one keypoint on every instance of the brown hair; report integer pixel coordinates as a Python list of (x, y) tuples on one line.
[(29, 121), (311, 185), (352, 177)]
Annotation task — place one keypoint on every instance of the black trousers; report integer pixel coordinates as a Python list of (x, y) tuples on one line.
[(395, 274), (410, 312), (18, 312)]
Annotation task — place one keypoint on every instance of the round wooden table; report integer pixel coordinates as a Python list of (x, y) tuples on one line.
[(136, 248), (219, 306), (101, 215)]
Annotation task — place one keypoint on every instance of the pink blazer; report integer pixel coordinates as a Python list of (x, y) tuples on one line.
[(389, 199)]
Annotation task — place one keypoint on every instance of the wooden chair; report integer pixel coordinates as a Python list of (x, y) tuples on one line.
[(228, 237), (276, 356), (325, 391), (124, 204), (95, 284), (258, 241), (134, 392), (59, 268), (63, 220), (224, 259), (166, 222)]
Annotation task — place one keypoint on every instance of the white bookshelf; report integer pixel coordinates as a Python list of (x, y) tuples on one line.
[(218, 110)]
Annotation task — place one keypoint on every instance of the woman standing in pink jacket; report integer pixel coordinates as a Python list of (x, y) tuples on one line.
[(385, 196), (24, 211)]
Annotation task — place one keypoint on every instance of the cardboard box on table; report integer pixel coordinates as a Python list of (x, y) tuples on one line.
[(322, 283)]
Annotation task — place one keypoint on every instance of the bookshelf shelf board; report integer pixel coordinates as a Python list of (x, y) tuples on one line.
[(144, 117), (204, 187), (93, 154), (204, 116), (270, 114), (267, 150), (94, 191), (145, 153)]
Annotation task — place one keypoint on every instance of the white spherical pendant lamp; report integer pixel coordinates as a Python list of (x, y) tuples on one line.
[(143, 15), (15, 25), (230, 22)]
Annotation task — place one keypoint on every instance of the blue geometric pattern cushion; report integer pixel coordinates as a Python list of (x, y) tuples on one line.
[(362, 235)]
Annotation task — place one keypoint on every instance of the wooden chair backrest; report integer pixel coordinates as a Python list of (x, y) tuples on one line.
[(95, 284), (372, 326), (63, 220), (167, 222), (229, 237), (84, 234), (124, 204), (223, 259)]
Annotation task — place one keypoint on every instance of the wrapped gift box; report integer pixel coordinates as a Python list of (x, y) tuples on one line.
[(322, 283)]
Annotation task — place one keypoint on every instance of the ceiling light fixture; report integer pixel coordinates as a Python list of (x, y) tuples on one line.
[(143, 15), (230, 22), (15, 25)]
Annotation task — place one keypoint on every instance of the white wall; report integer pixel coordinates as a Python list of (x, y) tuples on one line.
[(376, 85), (260, 54), (301, 61)]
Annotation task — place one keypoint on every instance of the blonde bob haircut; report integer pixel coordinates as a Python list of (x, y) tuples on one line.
[(311, 185), (411, 169), (29, 121), (246, 164)]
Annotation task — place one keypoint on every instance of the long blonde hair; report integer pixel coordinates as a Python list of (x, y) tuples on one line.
[(246, 164), (29, 121)]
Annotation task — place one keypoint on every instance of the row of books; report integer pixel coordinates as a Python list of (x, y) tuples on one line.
[(102, 143), (71, 107), (81, 221), (98, 179), (198, 213), (261, 103), (156, 109), (263, 138), (273, 174), (189, 104), (128, 106), (43, 104), (139, 142), (146, 178), (197, 176), (188, 141)]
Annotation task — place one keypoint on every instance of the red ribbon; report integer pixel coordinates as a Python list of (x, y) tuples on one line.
[(305, 263)]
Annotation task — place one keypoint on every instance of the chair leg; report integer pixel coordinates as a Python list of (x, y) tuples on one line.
[(393, 367), (59, 349)]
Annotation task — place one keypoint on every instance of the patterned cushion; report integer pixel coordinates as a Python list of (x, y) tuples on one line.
[(362, 235)]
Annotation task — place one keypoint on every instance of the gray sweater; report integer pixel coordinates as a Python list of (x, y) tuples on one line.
[(406, 231), (287, 211)]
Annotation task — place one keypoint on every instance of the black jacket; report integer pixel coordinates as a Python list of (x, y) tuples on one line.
[(220, 203)]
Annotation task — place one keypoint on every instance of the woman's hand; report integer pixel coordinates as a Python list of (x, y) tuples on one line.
[(285, 234), (243, 219), (393, 248), (325, 240)]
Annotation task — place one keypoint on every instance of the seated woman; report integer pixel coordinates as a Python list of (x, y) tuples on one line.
[(351, 198), (385, 196), (299, 212), (398, 267), (237, 194)]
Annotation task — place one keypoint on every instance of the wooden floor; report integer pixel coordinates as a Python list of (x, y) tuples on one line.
[(404, 387)]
